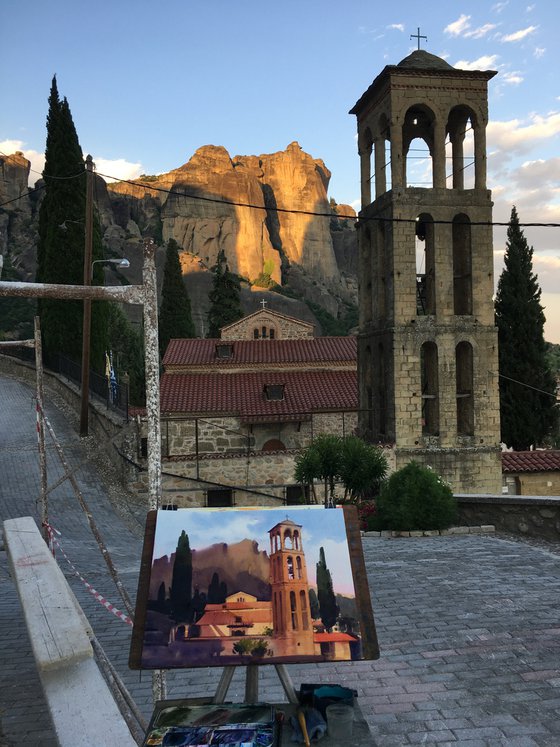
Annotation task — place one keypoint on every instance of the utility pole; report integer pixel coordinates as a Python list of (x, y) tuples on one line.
[(86, 328)]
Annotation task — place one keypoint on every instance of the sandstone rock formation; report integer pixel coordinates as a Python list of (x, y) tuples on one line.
[(254, 208)]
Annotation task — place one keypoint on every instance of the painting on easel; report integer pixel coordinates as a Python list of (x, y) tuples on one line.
[(239, 586)]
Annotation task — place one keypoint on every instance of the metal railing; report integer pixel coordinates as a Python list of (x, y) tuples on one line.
[(115, 396)]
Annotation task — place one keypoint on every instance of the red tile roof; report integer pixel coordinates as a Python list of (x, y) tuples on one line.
[(241, 394), (545, 460), (191, 353), (334, 638)]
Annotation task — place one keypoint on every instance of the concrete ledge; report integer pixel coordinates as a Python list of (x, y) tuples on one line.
[(59, 633), (82, 708)]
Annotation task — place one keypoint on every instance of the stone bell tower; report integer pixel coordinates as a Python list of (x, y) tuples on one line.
[(428, 348), (292, 624)]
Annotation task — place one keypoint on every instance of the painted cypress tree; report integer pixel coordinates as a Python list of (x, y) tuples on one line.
[(224, 297), (60, 253), (181, 580), (527, 409), (325, 593), (175, 319)]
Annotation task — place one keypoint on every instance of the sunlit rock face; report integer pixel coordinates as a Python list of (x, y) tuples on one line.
[(213, 202), (255, 234)]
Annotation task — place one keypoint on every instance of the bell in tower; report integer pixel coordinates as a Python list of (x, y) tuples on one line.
[(427, 349)]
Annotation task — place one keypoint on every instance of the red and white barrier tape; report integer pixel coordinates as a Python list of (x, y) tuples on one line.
[(53, 541)]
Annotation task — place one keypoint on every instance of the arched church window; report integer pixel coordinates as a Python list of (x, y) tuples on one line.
[(430, 389), (464, 388), (462, 265)]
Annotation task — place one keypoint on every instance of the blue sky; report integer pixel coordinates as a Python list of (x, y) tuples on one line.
[(320, 528), (149, 83)]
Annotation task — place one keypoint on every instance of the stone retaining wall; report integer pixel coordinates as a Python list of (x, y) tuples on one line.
[(528, 515)]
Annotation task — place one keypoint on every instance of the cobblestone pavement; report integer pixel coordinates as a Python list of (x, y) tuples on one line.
[(469, 626)]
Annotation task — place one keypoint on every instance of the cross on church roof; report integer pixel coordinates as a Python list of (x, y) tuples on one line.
[(263, 303), (418, 36)]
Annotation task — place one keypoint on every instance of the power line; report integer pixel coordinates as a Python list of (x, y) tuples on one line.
[(528, 386), (292, 211)]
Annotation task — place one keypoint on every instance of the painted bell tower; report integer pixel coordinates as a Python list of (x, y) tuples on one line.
[(428, 349), (293, 629)]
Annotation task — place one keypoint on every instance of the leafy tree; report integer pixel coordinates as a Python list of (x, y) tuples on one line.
[(321, 460), (217, 591), (325, 593), (60, 254), (314, 604), (181, 580), (359, 466), (416, 498), (175, 318), (225, 297), (527, 386), (363, 467)]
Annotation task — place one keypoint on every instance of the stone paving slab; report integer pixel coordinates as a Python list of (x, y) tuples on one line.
[(468, 625)]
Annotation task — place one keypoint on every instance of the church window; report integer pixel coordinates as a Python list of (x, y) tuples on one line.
[(425, 266), (418, 146), (464, 387), (274, 391), (299, 567), (462, 266), (303, 606), (256, 334), (224, 350), (293, 610), (430, 389)]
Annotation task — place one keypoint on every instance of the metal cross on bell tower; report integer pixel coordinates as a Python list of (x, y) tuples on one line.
[(418, 36)]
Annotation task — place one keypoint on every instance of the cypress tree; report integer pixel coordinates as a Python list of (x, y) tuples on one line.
[(325, 593), (60, 254), (527, 401), (225, 297), (181, 580), (175, 319)]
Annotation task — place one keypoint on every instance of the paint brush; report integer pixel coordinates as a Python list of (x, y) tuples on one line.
[(303, 726)]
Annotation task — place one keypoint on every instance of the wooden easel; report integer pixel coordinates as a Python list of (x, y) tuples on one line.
[(252, 683)]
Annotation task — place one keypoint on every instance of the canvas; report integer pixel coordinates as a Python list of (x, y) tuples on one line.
[(238, 586)]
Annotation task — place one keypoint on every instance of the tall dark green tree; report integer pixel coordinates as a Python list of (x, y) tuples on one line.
[(527, 402), (175, 318), (181, 580), (325, 593), (60, 253), (225, 297)]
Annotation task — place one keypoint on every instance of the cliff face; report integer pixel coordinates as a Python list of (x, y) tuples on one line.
[(314, 255), (260, 239)]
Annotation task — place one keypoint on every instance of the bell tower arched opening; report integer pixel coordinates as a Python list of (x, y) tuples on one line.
[(418, 146)]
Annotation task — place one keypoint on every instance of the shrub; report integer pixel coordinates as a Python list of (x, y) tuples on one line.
[(416, 498)]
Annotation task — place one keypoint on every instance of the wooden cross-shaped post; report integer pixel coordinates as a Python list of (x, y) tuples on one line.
[(418, 36)]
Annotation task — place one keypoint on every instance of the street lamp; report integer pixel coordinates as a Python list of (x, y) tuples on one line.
[(121, 264)]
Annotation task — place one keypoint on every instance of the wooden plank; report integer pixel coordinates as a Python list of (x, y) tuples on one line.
[(58, 629)]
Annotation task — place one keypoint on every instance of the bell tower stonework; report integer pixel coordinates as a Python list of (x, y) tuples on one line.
[(428, 348)]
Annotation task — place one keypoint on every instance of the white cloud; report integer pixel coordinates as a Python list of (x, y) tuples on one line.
[(117, 168), (482, 63), (520, 136), (500, 6), (513, 78), (519, 35), (396, 26), (458, 27), (480, 31), (539, 51)]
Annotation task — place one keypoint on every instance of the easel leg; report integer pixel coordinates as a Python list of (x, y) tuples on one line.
[(252, 684), (223, 685), (287, 683)]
